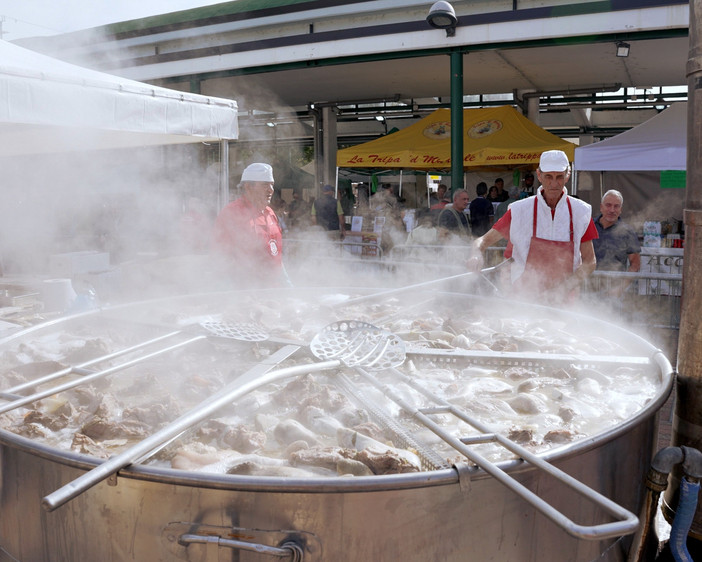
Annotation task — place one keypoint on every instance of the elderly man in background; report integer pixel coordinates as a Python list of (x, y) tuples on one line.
[(453, 219), (247, 236), (549, 237), (617, 247)]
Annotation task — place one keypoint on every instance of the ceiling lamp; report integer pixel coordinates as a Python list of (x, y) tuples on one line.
[(442, 16), (622, 49)]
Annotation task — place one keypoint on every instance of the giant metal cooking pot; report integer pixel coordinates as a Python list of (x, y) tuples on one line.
[(461, 513)]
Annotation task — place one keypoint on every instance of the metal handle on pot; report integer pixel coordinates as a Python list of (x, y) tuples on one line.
[(289, 550), (627, 522), (179, 538)]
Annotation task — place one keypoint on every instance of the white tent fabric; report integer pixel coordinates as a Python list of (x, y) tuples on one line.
[(47, 105), (657, 144)]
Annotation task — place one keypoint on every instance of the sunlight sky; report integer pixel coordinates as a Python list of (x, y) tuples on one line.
[(27, 18)]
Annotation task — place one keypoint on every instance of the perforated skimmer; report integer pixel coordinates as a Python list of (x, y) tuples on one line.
[(242, 331), (359, 344)]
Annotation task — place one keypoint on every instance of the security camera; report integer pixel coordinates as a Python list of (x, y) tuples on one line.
[(442, 16)]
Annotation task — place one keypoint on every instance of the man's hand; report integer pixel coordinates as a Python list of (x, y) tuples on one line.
[(477, 260), (475, 263)]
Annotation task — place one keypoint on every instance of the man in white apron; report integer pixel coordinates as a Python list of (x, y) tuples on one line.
[(549, 236)]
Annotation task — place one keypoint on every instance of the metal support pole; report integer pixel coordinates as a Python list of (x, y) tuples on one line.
[(533, 112), (456, 121), (687, 421), (329, 143), (318, 150), (223, 173)]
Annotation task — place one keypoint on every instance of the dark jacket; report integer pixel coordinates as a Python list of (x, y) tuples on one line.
[(452, 220), (326, 211), (480, 212)]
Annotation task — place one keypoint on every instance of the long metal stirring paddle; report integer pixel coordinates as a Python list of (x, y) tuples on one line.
[(424, 284), (348, 342), (240, 332)]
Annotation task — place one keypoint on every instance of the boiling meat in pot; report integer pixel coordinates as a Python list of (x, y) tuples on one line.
[(310, 425)]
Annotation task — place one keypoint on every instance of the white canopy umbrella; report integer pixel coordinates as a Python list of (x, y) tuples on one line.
[(657, 144), (47, 105), (632, 163)]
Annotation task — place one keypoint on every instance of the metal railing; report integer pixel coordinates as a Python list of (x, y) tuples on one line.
[(430, 253), (647, 298), (351, 247), (643, 299)]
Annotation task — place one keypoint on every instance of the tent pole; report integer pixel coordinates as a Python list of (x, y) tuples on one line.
[(456, 121), (223, 173), (428, 193)]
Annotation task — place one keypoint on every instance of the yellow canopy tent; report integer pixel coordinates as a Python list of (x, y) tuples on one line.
[(496, 136)]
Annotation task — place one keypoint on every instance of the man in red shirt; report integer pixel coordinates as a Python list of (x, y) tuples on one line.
[(549, 236), (247, 235)]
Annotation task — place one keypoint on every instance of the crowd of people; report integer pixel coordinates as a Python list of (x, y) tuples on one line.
[(551, 239)]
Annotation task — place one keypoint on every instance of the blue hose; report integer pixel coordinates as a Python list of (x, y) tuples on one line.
[(687, 504)]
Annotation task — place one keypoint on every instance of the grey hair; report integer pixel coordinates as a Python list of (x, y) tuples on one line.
[(457, 192), (616, 194)]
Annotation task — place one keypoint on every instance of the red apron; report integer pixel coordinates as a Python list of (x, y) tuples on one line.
[(549, 262)]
